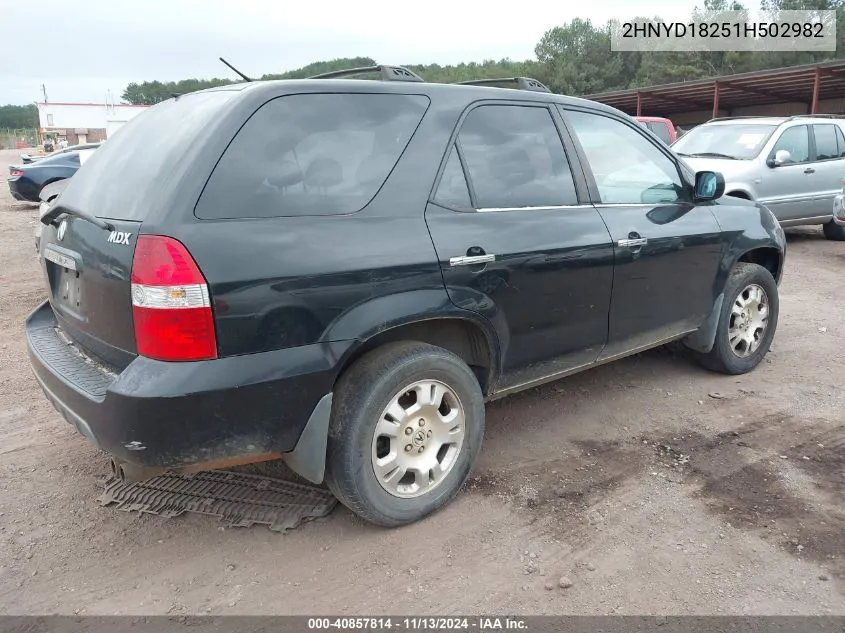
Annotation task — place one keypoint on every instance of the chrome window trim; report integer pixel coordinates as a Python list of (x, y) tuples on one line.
[(541, 208)]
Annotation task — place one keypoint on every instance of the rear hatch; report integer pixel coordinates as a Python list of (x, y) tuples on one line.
[(87, 268)]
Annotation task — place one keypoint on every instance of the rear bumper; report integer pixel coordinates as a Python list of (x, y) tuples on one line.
[(23, 189), (175, 415)]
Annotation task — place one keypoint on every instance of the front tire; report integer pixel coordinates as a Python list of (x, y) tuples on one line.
[(747, 322), (398, 396), (834, 231)]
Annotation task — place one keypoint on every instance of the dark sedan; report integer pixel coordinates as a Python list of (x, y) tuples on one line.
[(27, 181), (26, 159)]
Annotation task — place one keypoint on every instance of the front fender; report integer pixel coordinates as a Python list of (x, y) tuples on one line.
[(741, 188), (747, 226)]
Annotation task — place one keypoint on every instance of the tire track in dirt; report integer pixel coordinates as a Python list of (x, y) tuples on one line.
[(743, 476)]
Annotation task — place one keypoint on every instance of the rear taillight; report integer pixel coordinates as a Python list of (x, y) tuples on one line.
[(15, 172), (170, 302)]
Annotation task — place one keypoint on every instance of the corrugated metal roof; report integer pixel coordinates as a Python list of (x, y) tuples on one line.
[(794, 83)]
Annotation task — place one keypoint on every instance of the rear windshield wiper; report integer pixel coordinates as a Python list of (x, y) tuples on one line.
[(62, 209), (711, 155)]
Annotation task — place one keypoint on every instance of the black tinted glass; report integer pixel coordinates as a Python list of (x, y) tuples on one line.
[(311, 154), (515, 158), (452, 190), (120, 177)]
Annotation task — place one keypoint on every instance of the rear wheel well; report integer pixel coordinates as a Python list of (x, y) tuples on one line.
[(767, 257), (463, 338)]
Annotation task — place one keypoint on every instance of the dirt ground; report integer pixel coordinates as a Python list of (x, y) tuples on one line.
[(654, 486)]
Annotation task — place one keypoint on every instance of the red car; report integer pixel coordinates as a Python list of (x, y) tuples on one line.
[(664, 128)]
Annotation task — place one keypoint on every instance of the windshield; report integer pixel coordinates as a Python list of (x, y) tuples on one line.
[(741, 141)]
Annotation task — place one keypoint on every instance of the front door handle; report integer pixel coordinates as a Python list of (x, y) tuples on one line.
[(472, 260), (809, 170), (632, 242)]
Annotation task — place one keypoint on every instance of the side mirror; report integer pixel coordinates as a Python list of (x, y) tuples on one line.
[(781, 157), (709, 185)]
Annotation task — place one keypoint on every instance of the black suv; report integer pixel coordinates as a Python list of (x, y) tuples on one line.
[(339, 272)]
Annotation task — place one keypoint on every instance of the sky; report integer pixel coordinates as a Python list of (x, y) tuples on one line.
[(84, 50)]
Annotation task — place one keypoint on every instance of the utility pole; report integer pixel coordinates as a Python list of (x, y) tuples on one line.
[(44, 90)]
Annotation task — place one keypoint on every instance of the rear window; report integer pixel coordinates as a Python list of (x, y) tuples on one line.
[(659, 128), (136, 160), (311, 154)]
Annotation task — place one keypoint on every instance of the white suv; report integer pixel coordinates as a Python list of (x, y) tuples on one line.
[(793, 165)]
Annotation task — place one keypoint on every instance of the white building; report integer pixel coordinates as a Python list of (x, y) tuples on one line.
[(83, 122)]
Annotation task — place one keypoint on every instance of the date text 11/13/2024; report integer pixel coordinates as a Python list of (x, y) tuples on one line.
[(419, 624)]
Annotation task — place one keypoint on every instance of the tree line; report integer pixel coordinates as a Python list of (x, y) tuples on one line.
[(574, 59), (18, 117)]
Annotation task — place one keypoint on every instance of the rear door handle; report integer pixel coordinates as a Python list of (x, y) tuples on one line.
[(632, 242), (472, 260), (809, 170)]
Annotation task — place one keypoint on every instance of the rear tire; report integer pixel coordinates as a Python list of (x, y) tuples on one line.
[(747, 322), (834, 231), (402, 395)]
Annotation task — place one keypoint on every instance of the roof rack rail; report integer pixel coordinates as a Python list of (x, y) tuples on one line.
[(785, 117), (522, 83), (735, 118), (816, 116), (388, 73)]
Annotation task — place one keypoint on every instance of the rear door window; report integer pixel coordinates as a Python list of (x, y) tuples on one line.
[(825, 135), (515, 158), (311, 154)]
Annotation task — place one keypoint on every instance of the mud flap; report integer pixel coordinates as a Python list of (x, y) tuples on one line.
[(308, 459), (703, 339)]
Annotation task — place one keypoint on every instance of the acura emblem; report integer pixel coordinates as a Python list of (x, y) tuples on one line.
[(60, 234)]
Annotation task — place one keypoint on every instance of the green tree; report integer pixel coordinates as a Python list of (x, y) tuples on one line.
[(318, 68), (576, 59)]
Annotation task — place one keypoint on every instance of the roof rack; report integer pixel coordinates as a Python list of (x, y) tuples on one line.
[(522, 83), (787, 117), (815, 116), (388, 73)]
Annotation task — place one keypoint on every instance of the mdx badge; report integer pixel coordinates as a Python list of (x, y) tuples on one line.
[(118, 237), (60, 234)]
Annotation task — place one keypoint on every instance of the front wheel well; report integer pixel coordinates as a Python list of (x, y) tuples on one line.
[(739, 194), (767, 257), (461, 337)]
